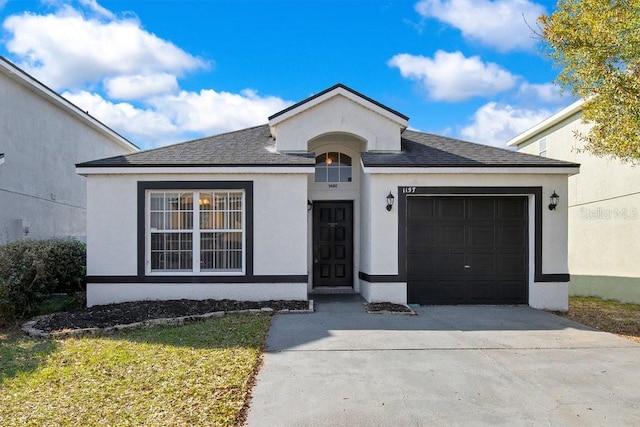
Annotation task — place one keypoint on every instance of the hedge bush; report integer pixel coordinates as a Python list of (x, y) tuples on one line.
[(30, 270)]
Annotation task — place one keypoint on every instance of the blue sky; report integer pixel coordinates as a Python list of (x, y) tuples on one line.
[(166, 71)]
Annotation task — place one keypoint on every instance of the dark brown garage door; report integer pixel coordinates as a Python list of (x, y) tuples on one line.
[(467, 250)]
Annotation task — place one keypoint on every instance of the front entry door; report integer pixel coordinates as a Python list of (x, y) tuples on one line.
[(332, 244)]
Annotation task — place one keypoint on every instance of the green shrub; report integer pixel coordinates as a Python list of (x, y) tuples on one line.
[(30, 270)]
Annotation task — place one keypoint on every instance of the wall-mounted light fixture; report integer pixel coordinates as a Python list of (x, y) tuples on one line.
[(309, 205), (390, 200), (553, 201)]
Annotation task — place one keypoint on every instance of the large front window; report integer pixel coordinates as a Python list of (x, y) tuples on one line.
[(196, 231)]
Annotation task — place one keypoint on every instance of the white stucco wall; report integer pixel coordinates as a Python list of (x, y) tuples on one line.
[(338, 114), (604, 213), (101, 294), (382, 226), (279, 236), (42, 142)]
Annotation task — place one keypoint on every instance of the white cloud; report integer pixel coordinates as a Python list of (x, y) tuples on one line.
[(173, 118), (547, 92), (209, 111), (67, 49), (101, 11), (452, 76), (142, 126), (141, 86), (96, 58), (503, 24), (495, 124)]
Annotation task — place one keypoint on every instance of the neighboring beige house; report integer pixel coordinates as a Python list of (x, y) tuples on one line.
[(604, 209), (332, 195), (42, 137)]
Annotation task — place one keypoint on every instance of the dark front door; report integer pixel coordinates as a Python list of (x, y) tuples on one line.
[(332, 244), (467, 250)]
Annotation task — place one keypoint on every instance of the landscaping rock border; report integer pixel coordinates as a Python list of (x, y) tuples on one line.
[(29, 327)]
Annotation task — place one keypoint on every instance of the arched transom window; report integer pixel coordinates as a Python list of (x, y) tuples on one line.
[(333, 167)]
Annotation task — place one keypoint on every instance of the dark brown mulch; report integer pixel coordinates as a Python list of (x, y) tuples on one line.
[(103, 316), (387, 306)]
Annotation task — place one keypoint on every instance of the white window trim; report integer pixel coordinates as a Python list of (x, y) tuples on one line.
[(196, 234)]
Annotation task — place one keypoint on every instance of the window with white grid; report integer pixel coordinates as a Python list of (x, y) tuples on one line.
[(196, 231)]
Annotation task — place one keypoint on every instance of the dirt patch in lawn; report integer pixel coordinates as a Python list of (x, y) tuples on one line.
[(104, 316), (608, 316)]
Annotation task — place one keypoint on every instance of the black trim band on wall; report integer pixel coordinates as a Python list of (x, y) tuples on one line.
[(404, 193), (247, 186), (197, 279), (379, 278)]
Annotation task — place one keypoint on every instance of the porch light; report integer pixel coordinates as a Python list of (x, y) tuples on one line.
[(554, 201), (390, 200), (309, 204)]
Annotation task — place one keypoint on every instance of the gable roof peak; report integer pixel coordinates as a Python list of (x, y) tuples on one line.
[(338, 88)]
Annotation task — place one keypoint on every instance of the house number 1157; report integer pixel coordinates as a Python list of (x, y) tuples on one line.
[(409, 190)]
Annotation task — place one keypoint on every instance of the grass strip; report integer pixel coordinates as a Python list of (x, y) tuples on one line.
[(198, 374)]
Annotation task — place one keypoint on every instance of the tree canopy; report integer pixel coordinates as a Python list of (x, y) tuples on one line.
[(596, 43)]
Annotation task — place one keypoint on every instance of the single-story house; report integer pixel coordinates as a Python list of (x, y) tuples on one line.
[(334, 195), (604, 208)]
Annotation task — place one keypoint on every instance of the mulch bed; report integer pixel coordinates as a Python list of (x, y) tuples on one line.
[(104, 316), (374, 307)]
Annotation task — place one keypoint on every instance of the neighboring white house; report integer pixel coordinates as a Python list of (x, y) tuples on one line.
[(42, 137), (604, 209), (333, 195)]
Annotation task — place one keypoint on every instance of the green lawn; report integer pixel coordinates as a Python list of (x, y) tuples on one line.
[(198, 374)]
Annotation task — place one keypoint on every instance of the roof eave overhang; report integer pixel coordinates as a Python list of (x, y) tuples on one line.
[(547, 123), (193, 169), (513, 170)]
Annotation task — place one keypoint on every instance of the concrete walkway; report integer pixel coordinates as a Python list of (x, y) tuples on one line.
[(446, 366)]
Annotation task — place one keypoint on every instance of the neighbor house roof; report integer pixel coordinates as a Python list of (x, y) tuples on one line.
[(561, 115), (20, 76), (256, 147)]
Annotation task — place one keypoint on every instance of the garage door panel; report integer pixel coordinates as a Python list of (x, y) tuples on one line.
[(511, 208), (510, 292), (421, 235), (423, 207), (473, 251), (451, 208), (450, 236), (480, 236), (511, 235), (482, 291), (508, 263), (480, 264), (481, 208), (423, 263)]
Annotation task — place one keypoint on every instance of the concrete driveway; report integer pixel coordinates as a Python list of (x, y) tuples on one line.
[(450, 365)]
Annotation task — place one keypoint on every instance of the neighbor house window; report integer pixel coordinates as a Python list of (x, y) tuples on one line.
[(196, 231), (333, 167), (543, 147)]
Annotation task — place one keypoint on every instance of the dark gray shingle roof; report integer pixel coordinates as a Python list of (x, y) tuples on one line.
[(428, 150), (256, 147), (251, 147)]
